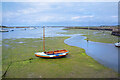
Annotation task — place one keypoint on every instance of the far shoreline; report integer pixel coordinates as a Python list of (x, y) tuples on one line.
[(115, 29)]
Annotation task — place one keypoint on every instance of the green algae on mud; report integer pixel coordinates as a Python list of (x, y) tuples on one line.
[(25, 65), (94, 35), (0, 60)]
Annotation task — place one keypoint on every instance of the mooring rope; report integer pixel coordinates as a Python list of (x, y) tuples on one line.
[(4, 75)]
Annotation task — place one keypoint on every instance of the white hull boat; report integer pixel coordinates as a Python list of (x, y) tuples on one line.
[(117, 44)]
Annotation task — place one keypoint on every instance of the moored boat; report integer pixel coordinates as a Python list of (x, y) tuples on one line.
[(117, 44), (4, 30)]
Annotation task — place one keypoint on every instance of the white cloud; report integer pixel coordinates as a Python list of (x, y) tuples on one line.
[(48, 18), (81, 17), (44, 18), (27, 11), (76, 17), (31, 9), (36, 13), (87, 16), (114, 16)]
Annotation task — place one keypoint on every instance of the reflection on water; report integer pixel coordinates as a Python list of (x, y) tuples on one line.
[(104, 53)]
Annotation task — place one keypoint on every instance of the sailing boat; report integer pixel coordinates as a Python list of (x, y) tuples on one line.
[(50, 54)]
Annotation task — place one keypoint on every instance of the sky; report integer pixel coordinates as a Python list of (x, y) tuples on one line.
[(59, 13), (60, 0)]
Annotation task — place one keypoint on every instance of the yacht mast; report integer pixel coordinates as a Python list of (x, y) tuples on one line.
[(43, 38)]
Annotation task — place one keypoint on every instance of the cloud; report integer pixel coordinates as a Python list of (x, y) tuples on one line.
[(63, 13), (81, 17), (27, 11), (114, 16), (87, 16), (76, 17), (32, 8)]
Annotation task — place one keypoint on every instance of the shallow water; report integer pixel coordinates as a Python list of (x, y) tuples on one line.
[(34, 33), (104, 53)]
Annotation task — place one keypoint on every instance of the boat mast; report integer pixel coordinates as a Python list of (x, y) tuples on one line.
[(43, 38)]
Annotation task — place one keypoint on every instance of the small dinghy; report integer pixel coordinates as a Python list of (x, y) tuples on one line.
[(4, 30), (117, 44), (52, 54)]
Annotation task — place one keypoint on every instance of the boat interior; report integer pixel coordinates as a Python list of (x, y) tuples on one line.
[(56, 52)]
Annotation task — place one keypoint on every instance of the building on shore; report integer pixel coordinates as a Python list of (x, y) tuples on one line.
[(116, 31)]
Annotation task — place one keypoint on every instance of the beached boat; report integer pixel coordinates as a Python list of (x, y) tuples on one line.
[(50, 54), (117, 44)]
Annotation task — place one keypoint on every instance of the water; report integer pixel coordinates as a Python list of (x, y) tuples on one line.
[(104, 53), (34, 33)]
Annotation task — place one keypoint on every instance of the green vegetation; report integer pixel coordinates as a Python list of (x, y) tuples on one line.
[(95, 35), (25, 65), (108, 28)]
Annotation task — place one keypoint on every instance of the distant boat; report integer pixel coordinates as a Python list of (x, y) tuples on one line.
[(23, 29), (50, 54), (4, 30), (117, 44), (11, 30)]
